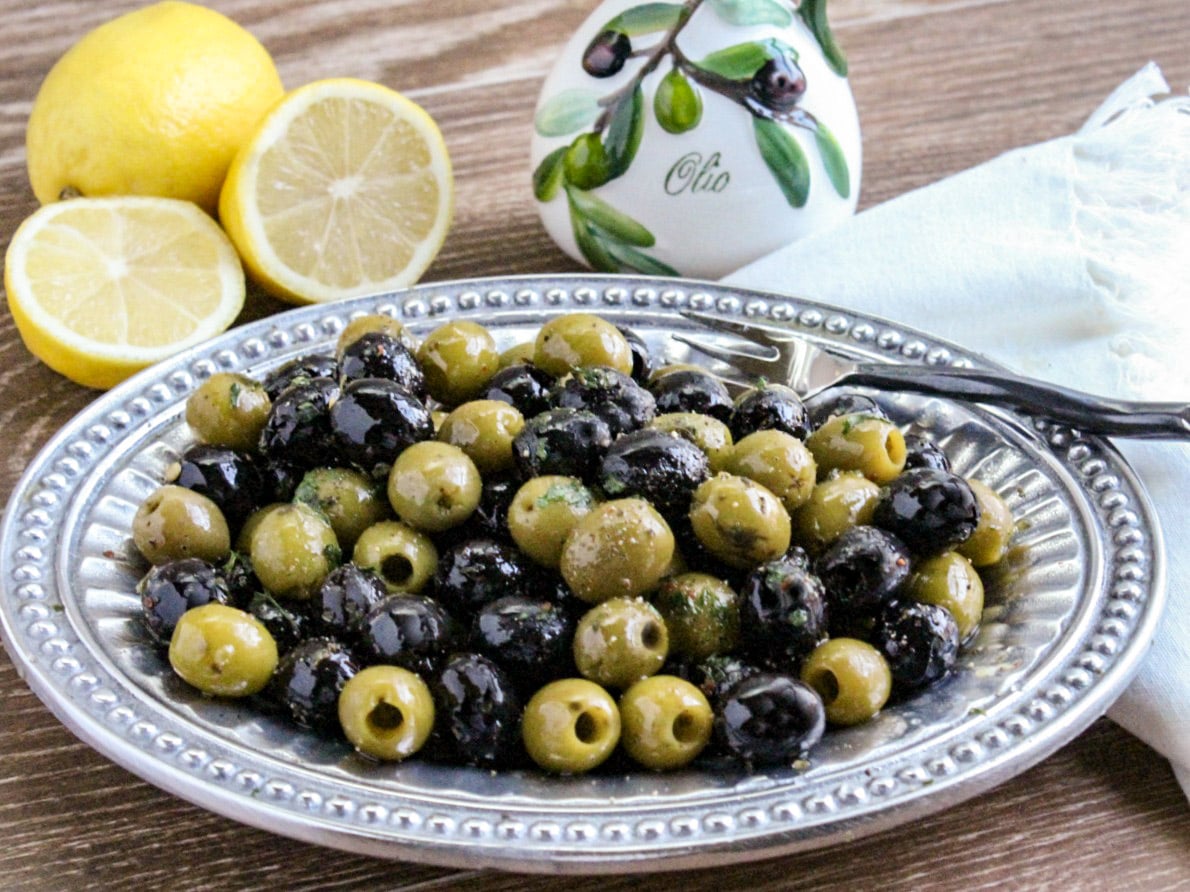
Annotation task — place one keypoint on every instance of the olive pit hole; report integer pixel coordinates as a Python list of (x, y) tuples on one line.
[(650, 635), (385, 717), (586, 728), (397, 569), (686, 727), (826, 683), (894, 446)]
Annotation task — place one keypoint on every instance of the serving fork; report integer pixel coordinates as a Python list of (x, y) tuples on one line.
[(785, 356)]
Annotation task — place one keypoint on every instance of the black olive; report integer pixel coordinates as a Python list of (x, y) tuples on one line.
[(300, 371), (410, 631), (241, 579), (606, 53), (715, 675), (920, 642), (778, 84), (345, 597), (288, 627), (690, 390), (476, 572), (531, 638), (927, 509), (861, 571), (232, 480), (608, 393), (308, 680), (830, 402), (783, 612), (663, 468), (374, 420), (570, 442), (478, 712), (642, 360), (379, 355), (524, 386), (769, 407), (282, 478), (921, 452), (770, 719), (168, 590), (298, 429)]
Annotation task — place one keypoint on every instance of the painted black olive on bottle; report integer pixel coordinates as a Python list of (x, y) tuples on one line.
[(476, 572), (300, 371), (410, 631), (298, 429), (770, 719), (783, 612), (820, 407), (522, 385), (345, 597), (608, 393), (374, 420), (308, 680), (532, 638), (690, 390), (861, 571), (232, 480), (168, 590), (606, 53), (928, 509), (778, 84), (769, 407), (380, 355), (920, 642), (569, 442), (922, 452), (663, 468), (478, 712)]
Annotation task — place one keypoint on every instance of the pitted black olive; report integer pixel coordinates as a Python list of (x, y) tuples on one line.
[(862, 570), (476, 572), (530, 637), (770, 719), (374, 420), (920, 642), (287, 626), (302, 370), (927, 509), (569, 442), (168, 590), (690, 390), (612, 395), (380, 355), (783, 612), (769, 407), (232, 480), (477, 712), (308, 680), (524, 386), (298, 430), (661, 467), (345, 597), (410, 631)]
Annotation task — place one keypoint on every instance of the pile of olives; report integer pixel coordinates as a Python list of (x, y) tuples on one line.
[(555, 553)]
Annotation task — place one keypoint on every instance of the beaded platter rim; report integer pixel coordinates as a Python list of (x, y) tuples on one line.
[(45, 627)]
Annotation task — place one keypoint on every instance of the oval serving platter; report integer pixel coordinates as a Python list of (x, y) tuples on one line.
[(1069, 614)]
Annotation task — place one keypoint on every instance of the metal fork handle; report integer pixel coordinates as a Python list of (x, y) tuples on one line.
[(1084, 411)]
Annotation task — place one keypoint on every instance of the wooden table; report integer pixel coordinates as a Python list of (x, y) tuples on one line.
[(941, 85)]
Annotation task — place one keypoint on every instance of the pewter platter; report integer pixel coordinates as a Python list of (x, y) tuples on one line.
[(1069, 615)]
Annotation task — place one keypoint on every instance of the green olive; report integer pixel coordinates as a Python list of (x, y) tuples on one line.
[(404, 558), (175, 522), (739, 521), (484, 429), (620, 549), (434, 486), (351, 501), (709, 434), (701, 612), (243, 543), (292, 548), (836, 504), (228, 410), (570, 726), (458, 358), (375, 322), (568, 342), (666, 722), (222, 651), (620, 641), (989, 543), (866, 443), (779, 462), (386, 712), (949, 580), (518, 354), (672, 367), (851, 676), (543, 512)]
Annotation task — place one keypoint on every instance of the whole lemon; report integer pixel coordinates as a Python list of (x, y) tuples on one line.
[(155, 102)]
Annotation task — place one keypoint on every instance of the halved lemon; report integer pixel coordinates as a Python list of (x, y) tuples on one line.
[(100, 288), (345, 189)]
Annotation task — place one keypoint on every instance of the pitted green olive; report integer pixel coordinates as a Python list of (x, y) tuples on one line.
[(458, 358), (779, 462), (434, 486), (620, 549), (222, 651), (544, 511), (175, 522), (484, 430), (229, 410), (872, 445), (568, 342), (386, 712), (739, 521), (620, 641), (293, 547)]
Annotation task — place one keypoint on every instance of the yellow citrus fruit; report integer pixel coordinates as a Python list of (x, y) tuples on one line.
[(155, 102), (344, 189), (100, 288)]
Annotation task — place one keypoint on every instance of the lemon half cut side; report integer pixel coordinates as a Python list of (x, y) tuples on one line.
[(101, 288), (345, 189)]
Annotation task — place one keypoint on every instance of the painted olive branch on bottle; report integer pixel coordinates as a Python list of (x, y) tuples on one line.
[(762, 77)]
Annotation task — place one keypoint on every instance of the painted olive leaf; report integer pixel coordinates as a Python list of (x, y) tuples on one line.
[(548, 175), (785, 159), (615, 223), (647, 18), (590, 245), (753, 12), (742, 60), (625, 125), (834, 160), (813, 13), (639, 261), (567, 112)]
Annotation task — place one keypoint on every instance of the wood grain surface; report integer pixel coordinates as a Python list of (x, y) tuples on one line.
[(941, 85)]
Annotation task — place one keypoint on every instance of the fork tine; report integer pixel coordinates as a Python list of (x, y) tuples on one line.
[(751, 364), (756, 332)]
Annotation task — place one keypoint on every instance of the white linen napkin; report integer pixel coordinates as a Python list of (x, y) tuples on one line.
[(1070, 261)]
